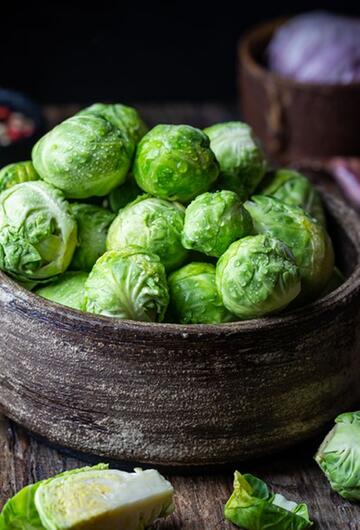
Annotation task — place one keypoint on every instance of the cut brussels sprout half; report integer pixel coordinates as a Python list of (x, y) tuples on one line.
[(252, 507), (295, 189), (93, 225), (194, 298), (306, 238), (16, 174), (242, 163), (68, 290), (175, 162), (257, 276), (128, 284), (152, 224), (38, 233), (91, 499), (83, 156), (213, 221), (339, 456)]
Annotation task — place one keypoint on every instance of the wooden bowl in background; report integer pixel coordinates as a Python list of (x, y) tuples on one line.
[(183, 395), (293, 119)]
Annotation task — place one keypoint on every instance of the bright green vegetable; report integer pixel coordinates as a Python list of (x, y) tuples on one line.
[(339, 456), (306, 238), (129, 284), (242, 164), (91, 499), (83, 156), (213, 221), (295, 189), (124, 194), (37, 232), (175, 162), (256, 276), (93, 225), (125, 118), (16, 174), (152, 224), (68, 289), (194, 298), (252, 507)]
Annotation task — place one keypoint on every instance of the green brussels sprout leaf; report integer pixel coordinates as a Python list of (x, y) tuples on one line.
[(68, 290), (16, 174), (124, 194)]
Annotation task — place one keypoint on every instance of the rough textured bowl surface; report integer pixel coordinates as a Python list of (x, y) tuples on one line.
[(183, 395), (294, 119)]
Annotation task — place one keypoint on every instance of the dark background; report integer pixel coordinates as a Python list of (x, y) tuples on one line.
[(128, 52)]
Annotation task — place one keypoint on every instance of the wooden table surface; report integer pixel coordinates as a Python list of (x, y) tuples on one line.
[(200, 495)]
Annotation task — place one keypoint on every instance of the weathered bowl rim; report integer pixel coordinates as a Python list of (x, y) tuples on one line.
[(193, 331), (247, 58)]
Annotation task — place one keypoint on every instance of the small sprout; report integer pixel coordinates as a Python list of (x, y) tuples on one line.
[(67, 290), (38, 233), (129, 284), (194, 298), (175, 162), (152, 224), (93, 225), (83, 156), (339, 456), (242, 163), (16, 174), (213, 221), (257, 276)]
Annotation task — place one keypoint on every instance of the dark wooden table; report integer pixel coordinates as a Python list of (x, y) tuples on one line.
[(200, 496)]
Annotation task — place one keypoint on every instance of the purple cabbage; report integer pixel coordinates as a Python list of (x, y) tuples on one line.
[(317, 47)]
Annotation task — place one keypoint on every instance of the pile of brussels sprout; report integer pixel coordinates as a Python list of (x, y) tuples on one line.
[(173, 224)]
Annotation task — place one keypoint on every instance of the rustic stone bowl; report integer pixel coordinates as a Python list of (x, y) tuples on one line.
[(295, 119), (184, 395)]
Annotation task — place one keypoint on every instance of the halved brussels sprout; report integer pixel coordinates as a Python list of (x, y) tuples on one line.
[(242, 163), (90, 498), (16, 174), (252, 507), (339, 456), (295, 189), (175, 162), (152, 224), (93, 225), (125, 118), (194, 298), (38, 233), (128, 284), (68, 289), (83, 156), (306, 238), (213, 221), (257, 276), (124, 194)]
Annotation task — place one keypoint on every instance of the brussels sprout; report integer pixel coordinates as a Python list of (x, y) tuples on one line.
[(83, 156), (257, 276), (89, 498), (124, 194), (16, 174), (242, 164), (252, 507), (194, 298), (93, 225), (175, 162), (213, 221), (305, 237), (37, 231), (152, 224), (67, 290), (295, 189), (125, 118), (339, 456), (129, 284)]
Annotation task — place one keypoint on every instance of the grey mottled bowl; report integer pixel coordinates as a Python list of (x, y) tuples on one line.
[(183, 395)]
